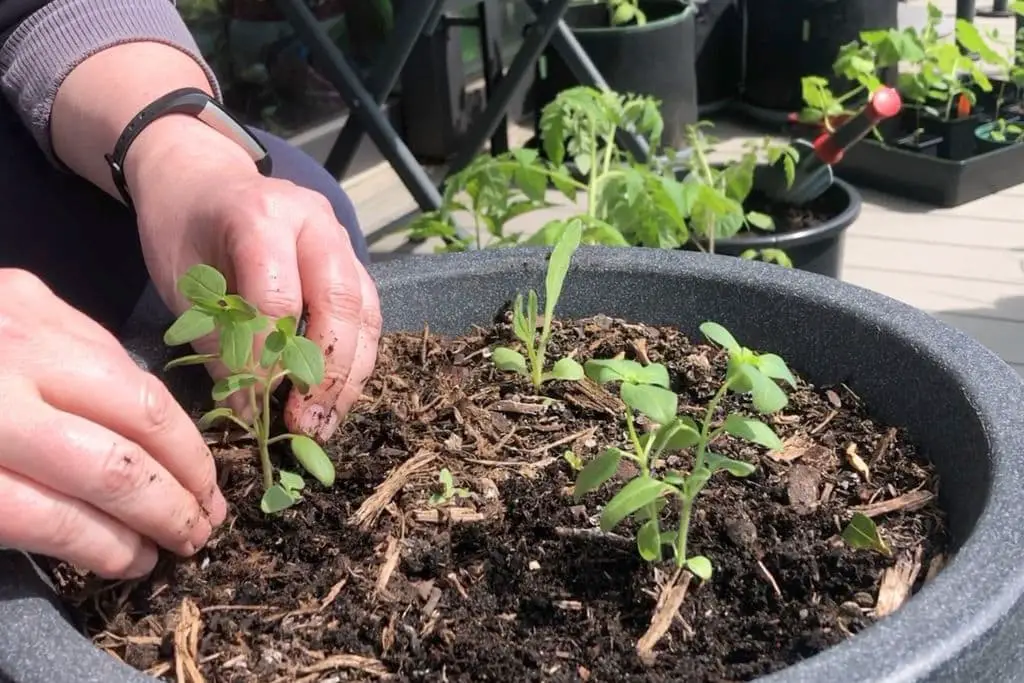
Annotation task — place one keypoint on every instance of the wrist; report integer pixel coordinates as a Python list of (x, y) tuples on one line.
[(180, 146)]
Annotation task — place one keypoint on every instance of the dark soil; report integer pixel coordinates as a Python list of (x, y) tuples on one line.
[(790, 218), (514, 582)]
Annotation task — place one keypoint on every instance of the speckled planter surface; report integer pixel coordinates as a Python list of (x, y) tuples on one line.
[(962, 404)]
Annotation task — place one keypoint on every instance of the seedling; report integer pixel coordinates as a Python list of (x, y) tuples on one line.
[(446, 489), (1004, 131), (624, 11), (644, 389), (525, 322), (574, 461), (714, 195), (285, 355), (862, 534)]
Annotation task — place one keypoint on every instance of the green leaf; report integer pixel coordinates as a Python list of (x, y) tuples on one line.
[(597, 472), (532, 308), (660, 405), (776, 368), (624, 13), (648, 541), (558, 266), (720, 336), (622, 370), (288, 325), (507, 360), (767, 396), (212, 416), (272, 349), (446, 479), (190, 325), (760, 220), (291, 482), (313, 459), (676, 435), (194, 359), (636, 494), (736, 468), (567, 370), (236, 346), (202, 283), (862, 534), (304, 360), (752, 430), (276, 499), (229, 385), (235, 303), (520, 325), (700, 566)]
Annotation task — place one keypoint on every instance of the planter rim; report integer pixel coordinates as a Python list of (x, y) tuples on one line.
[(686, 10), (960, 604), (973, 594), (797, 238)]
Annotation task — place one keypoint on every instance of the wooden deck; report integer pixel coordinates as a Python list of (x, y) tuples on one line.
[(963, 265)]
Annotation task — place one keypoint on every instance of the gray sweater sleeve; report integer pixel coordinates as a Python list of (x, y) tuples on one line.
[(55, 39)]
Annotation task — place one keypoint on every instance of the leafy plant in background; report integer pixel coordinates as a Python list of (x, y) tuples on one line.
[(525, 320), (285, 355), (713, 195), (627, 202), (943, 83), (645, 389)]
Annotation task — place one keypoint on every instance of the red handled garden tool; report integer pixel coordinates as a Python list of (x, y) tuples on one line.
[(814, 167)]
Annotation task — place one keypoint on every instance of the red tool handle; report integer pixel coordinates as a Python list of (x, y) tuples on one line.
[(884, 104)]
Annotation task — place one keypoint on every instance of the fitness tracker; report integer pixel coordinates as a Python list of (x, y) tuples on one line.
[(193, 102)]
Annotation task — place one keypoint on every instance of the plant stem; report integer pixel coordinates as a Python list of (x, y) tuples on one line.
[(634, 438), (847, 96), (261, 424), (688, 497), (594, 175)]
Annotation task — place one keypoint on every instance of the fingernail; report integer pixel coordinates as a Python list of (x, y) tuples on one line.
[(218, 508), (320, 422), (144, 562)]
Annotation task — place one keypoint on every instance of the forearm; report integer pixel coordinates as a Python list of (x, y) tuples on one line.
[(91, 110), (77, 71)]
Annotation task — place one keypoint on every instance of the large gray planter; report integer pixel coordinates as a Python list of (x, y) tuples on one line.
[(960, 403)]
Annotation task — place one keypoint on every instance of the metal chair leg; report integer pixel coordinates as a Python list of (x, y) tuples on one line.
[(362, 105), (409, 26)]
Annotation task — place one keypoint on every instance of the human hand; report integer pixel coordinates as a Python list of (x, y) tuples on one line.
[(98, 463), (279, 246)]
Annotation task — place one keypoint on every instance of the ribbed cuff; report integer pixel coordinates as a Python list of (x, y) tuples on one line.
[(49, 44)]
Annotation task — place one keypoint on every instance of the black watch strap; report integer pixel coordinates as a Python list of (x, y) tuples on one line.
[(193, 102)]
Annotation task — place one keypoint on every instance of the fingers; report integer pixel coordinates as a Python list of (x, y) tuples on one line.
[(36, 519), (85, 461), (344, 320), (139, 408)]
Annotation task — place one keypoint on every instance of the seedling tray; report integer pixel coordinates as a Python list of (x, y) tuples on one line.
[(930, 179)]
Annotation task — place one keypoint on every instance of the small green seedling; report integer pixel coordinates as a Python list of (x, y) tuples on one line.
[(574, 461), (644, 389), (446, 489), (524, 321), (624, 11), (285, 354), (862, 534)]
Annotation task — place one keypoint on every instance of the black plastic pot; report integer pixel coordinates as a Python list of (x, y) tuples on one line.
[(719, 41), (930, 179), (958, 139), (926, 144), (959, 402), (816, 250), (786, 40), (657, 60)]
